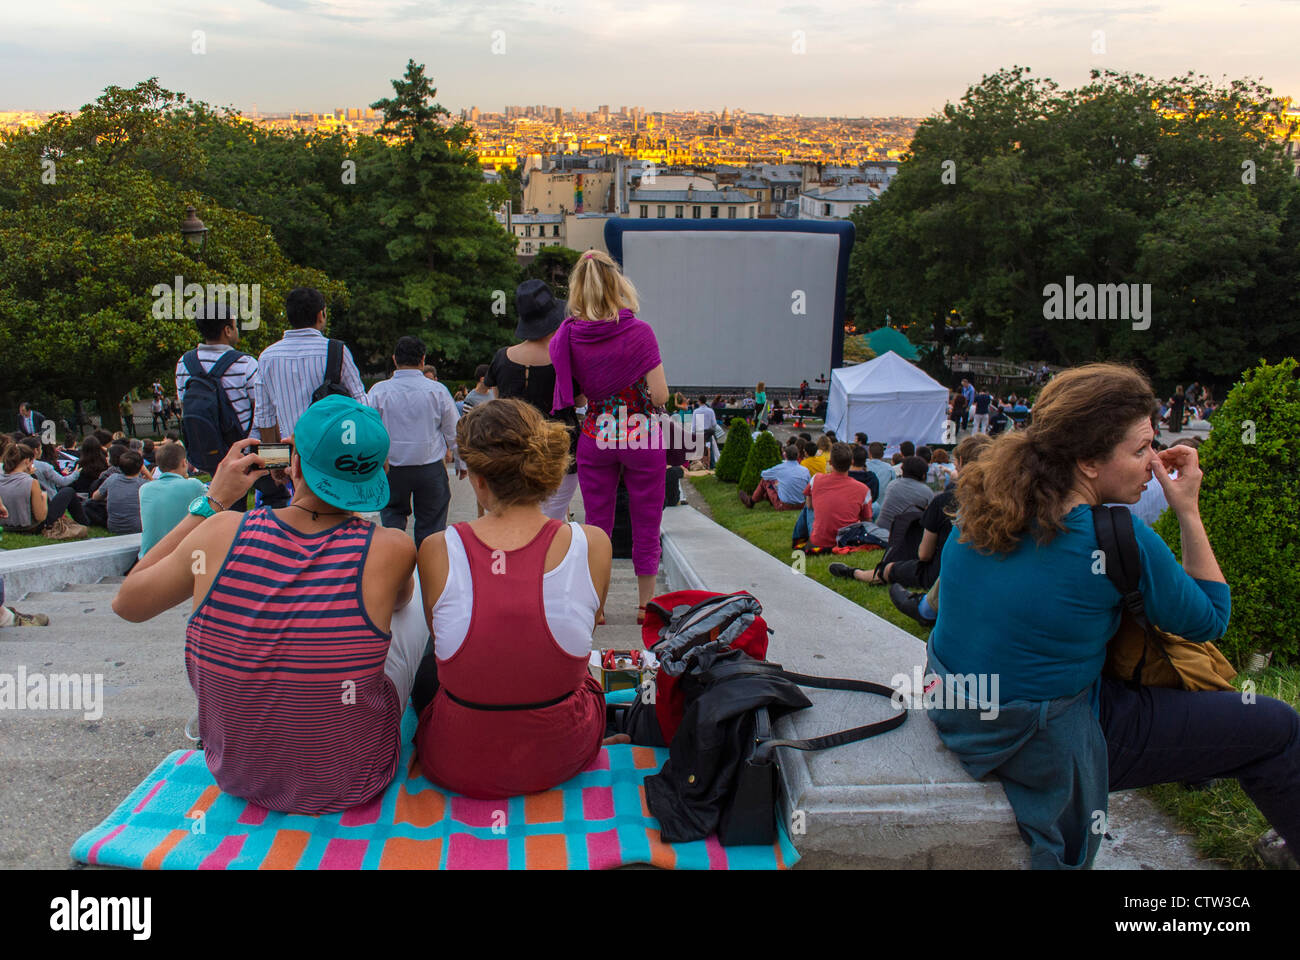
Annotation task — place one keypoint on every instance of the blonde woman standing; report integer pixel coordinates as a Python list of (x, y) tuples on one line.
[(607, 358)]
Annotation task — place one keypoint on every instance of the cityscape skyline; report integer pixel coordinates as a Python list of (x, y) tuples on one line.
[(880, 58)]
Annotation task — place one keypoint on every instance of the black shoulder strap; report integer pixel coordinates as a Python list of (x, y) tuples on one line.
[(1118, 542), (224, 363), (334, 362), (192, 365), (865, 732)]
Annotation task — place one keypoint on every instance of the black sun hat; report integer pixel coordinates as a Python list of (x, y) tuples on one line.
[(539, 312)]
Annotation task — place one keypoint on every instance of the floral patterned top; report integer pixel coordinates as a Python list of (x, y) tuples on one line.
[(633, 399)]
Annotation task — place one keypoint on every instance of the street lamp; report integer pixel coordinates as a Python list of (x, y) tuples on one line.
[(193, 231)]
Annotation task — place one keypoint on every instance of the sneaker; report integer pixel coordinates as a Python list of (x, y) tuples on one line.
[(29, 619), (842, 570), (909, 603), (746, 499)]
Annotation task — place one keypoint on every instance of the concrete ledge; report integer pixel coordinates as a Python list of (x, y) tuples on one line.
[(901, 800), (46, 569)]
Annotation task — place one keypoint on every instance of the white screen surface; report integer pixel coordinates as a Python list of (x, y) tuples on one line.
[(723, 303)]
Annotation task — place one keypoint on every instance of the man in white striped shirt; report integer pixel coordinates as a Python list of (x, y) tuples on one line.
[(290, 370), (421, 419), (220, 333)]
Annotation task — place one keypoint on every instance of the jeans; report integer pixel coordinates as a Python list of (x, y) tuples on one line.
[(427, 484), (1159, 735)]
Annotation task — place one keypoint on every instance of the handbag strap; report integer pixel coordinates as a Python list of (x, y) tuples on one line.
[(728, 671)]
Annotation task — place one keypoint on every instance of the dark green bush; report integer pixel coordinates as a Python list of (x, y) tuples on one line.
[(1250, 505), (734, 451), (763, 453)]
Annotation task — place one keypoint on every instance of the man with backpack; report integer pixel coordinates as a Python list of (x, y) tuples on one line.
[(215, 382), (300, 368)]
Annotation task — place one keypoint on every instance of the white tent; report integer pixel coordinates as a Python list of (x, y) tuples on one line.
[(889, 400)]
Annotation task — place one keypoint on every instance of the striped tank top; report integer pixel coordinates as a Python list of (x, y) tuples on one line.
[(295, 711)]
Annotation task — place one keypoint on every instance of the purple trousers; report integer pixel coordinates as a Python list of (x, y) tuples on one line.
[(643, 473)]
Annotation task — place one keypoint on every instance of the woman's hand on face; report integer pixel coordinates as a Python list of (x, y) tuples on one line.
[(1184, 492)]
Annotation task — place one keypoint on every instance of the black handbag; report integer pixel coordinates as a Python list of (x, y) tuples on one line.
[(748, 815)]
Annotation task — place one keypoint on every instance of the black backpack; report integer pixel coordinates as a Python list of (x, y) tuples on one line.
[(209, 424), (333, 374)]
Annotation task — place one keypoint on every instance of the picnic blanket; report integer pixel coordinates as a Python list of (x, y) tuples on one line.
[(178, 819)]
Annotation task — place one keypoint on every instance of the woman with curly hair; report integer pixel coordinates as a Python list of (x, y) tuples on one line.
[(506, 703), (1025, 605)]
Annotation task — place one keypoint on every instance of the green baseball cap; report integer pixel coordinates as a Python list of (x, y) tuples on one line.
[(342, 446)]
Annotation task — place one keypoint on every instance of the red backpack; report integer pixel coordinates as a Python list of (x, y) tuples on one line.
[(680, 624)]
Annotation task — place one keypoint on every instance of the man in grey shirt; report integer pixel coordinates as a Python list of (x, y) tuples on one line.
[(122, 490), (909, 490), (421, 420)]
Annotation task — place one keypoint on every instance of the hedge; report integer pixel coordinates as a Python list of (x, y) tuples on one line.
[(1250, 505), (763, 453), (735, 451)]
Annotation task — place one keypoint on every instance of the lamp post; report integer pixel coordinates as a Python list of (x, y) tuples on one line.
[(193, 231)]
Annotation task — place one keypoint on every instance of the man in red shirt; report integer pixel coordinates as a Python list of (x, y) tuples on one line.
[(836, 498)]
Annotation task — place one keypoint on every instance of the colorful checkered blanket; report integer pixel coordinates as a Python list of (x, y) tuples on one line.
[(178, 819)]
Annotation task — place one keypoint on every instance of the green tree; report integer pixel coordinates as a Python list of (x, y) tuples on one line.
[(735, 451), (451, 266), (1126, 180), (763, 453), (86, 238), (553, 264)]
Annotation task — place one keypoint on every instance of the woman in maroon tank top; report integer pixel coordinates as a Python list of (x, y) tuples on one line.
[(514, 711)]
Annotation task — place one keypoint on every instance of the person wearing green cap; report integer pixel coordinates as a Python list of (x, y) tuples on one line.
[(303, 635)]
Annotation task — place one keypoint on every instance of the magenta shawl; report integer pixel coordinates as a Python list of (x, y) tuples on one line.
[(603, 356)]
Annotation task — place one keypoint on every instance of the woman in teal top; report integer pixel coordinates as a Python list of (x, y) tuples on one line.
[(760, 403), (1024, 602)]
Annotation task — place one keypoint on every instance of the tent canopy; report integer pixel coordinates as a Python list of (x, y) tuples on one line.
[(889, 400), (887, 338)]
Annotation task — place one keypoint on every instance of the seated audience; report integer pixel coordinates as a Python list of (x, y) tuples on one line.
[(121, 491), (941, 472), (877, 464), (860, 472), (507, 705), (302, 667), (28, 508), (781, 485), (92, 463), (813, 459), (936, 521), (836, 499), (165, 502)]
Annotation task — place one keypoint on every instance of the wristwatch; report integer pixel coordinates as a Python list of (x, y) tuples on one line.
[(201, 507)]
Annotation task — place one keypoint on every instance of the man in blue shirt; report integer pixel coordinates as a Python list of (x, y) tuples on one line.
[(165, 502), (882, 468), (967, 391), (782, 485)]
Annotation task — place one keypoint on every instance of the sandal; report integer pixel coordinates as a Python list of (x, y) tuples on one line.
[(640, 614)]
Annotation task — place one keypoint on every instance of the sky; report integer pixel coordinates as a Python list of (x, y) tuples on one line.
[(855, 58)]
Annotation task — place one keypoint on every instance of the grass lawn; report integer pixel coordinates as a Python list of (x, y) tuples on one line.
[(770, 531), (17, 541), (1223, 819)]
